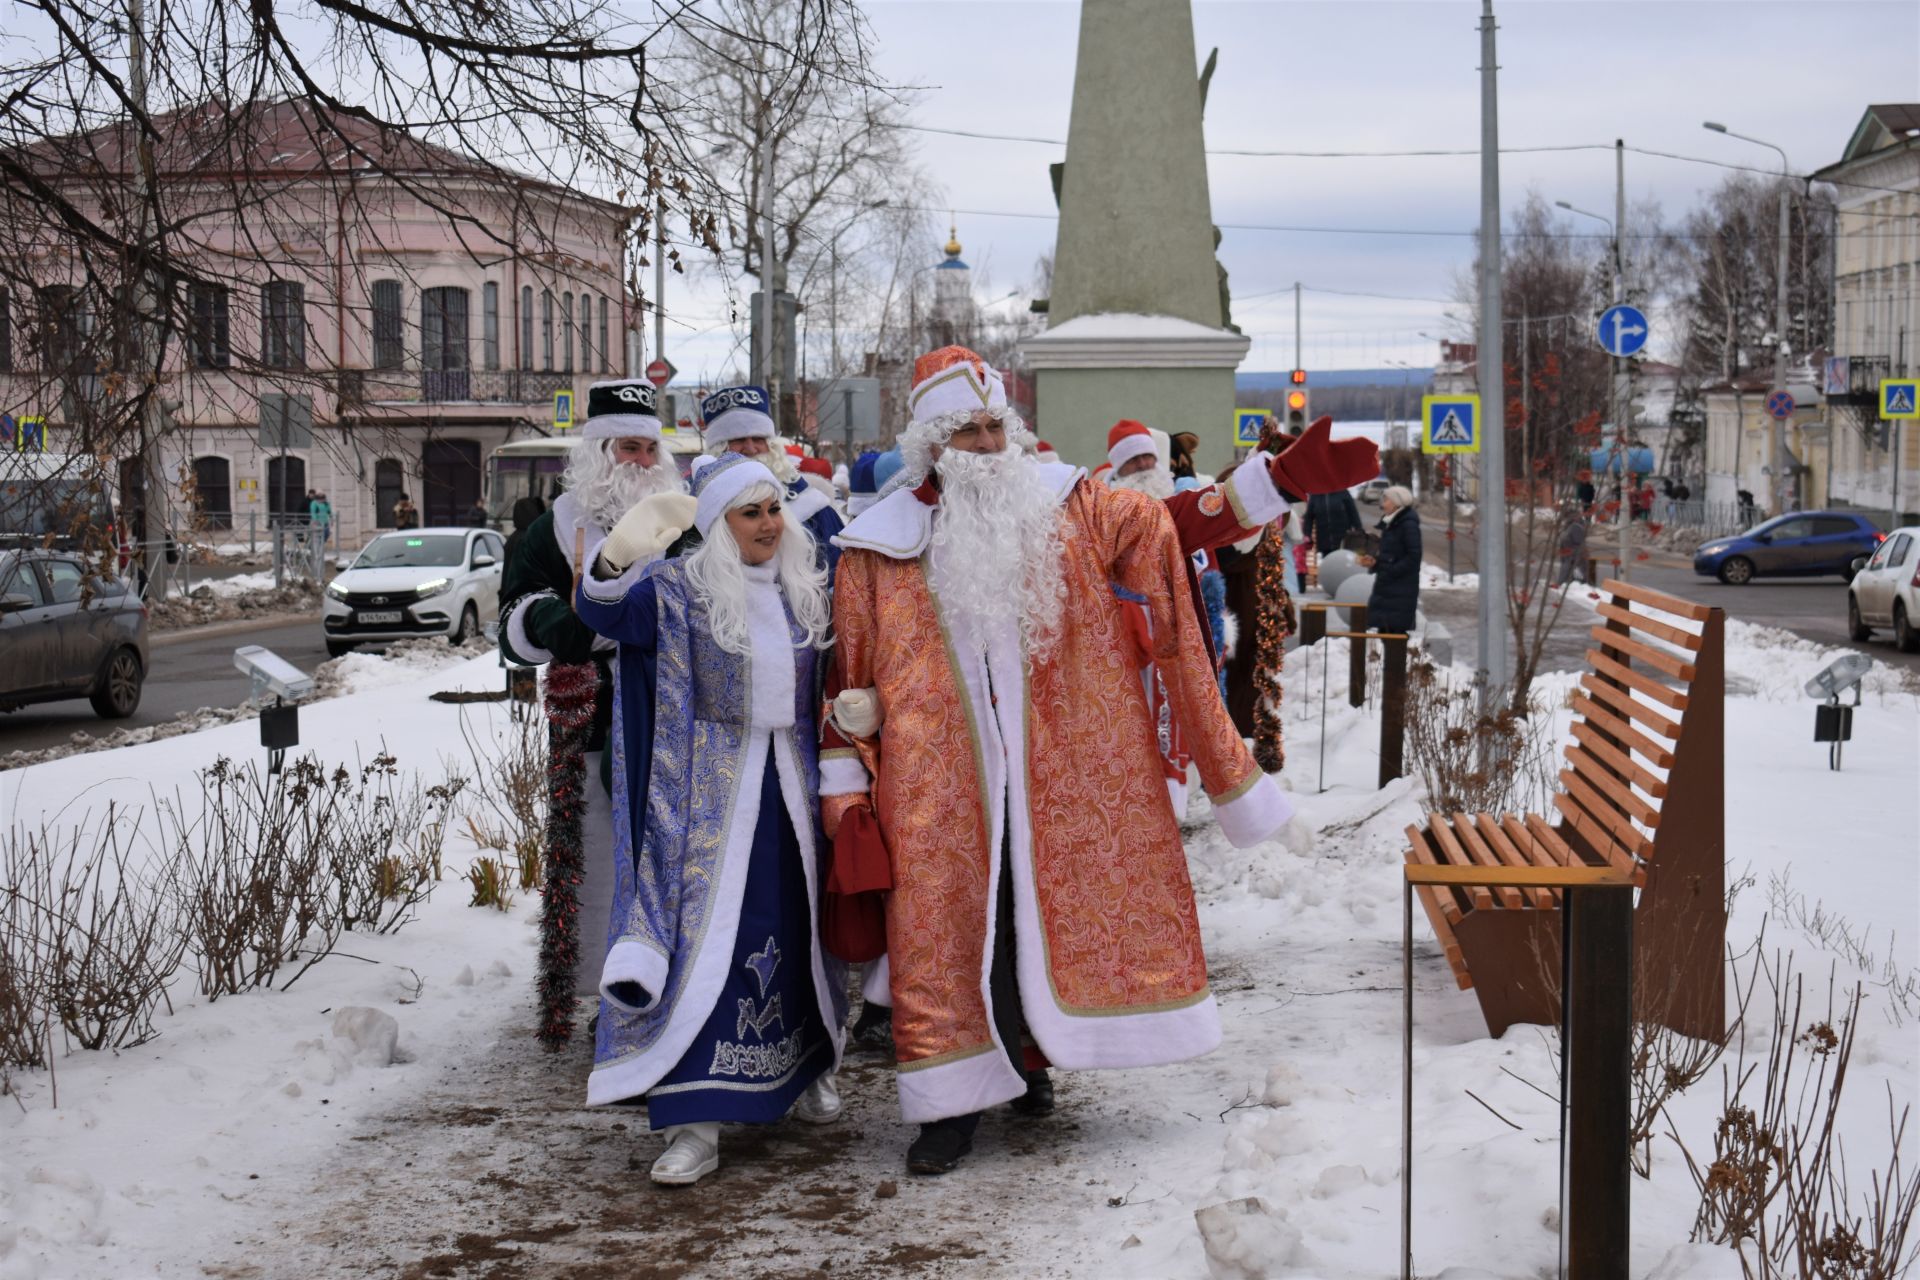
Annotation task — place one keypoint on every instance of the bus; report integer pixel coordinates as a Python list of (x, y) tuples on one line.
[(532, 468)]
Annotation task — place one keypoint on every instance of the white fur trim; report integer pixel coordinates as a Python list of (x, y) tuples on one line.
[(718, 493), (959, 388), (568, 519), (1255, 815), (1129, 448), (844, 776), (1251, 492), (610, 590), (771, 682), (805, 504), (618, 426), (960, 1087), (858, 503), (1177, 797), (737, 424), (876, 984), (1230, 626), (638, 963), (517, 638)]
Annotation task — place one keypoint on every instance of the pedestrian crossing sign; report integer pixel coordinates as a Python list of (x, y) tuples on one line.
[(30, 434), (1450, 424), (1900, 397), (1246, 427), (563, 411)]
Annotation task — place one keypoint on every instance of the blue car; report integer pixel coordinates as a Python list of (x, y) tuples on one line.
[(1802, 544)]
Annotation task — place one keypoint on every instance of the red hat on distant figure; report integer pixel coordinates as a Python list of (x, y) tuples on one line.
[(1045, 452), (817, 467), (1128, 440)]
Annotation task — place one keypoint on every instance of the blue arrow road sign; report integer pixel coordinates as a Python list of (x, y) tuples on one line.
[(1622, 330)]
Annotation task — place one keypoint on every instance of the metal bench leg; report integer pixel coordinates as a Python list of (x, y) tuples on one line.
[(1596, 1038)]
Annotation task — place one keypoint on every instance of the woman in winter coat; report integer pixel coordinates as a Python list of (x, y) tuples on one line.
[(1396, 567), (719, 1003)]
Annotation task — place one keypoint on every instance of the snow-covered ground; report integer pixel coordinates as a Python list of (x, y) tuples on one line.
[(250, 1140)]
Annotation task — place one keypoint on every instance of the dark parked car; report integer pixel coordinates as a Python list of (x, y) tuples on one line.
[(1802, 544), (66, 632)]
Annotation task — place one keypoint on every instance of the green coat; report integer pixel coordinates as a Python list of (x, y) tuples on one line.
[(537, 621)]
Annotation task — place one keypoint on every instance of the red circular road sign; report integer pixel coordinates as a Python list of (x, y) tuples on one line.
[(659, 373), (1780, 405)]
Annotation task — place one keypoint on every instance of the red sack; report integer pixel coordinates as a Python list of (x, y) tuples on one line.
[(853, 915)]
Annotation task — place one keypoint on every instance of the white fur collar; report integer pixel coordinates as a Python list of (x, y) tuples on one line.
[(899, 525), (771, 657), (804, 501), (569, 520)]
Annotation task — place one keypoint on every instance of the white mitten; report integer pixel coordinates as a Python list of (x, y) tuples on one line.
[(648, 529), (857, 712)]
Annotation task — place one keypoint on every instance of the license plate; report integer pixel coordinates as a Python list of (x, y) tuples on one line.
[(378, 617)]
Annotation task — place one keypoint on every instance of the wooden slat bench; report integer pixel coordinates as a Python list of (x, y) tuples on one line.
[(1642, 793)]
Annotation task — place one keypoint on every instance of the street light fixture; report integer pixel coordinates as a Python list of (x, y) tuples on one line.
[(1777, 453)]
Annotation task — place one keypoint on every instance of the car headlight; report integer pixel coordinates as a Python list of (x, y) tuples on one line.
[(437, 587), (337, 591)]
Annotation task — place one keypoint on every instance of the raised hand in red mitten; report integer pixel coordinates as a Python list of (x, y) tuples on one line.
[(1317, 463)]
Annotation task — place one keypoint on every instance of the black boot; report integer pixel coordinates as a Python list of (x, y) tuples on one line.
[(1038, 1099), (941, 1144), (873, 1029)]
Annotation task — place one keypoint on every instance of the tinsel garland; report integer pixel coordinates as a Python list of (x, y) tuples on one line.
[(1274, 622), (571, 691)]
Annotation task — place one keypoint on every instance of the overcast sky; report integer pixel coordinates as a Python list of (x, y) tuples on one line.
[(1348, 75)]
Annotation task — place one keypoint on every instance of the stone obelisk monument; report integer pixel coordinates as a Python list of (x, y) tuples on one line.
[(1135, 323)]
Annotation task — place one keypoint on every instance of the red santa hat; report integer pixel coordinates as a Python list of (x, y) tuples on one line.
[(1104, 473), (1128, 440), (1045, 452), (817, 467), (795, 451)]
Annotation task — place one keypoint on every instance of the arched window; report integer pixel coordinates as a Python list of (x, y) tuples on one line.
[(213, 492), (586, 332), (526, 326), (389, 482), (566, 332), (606, 352), (443, 343), (546, 330), (389, 342), (286, 488)]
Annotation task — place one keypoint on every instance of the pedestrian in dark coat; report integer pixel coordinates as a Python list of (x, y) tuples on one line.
[(1396, 567), (1330, 517)]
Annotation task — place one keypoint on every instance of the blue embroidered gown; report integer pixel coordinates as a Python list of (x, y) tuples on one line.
[(718, 1001)]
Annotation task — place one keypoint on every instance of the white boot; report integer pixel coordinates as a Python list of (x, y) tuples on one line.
[(820, 1103), (693, 1152)]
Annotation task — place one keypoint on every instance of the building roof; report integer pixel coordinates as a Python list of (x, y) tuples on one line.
[(1883, 127), (287, 139)]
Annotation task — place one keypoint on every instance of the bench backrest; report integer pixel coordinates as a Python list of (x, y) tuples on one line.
[(1650, 717)]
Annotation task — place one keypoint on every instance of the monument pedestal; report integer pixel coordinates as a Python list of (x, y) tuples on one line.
[(1169, 373)]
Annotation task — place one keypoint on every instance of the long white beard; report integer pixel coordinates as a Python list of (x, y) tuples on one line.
[(997, 546), (1156, 482), (607, 490)]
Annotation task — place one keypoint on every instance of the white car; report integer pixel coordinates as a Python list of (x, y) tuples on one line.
[(414, 583), (1886, 594)]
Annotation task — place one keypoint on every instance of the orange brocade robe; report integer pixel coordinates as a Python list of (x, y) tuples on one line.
[(1055, 762)]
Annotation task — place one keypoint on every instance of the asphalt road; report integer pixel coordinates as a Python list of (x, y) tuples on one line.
[(187, 670), (1815, 608)]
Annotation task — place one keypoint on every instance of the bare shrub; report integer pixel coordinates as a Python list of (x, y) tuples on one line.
[(1777, 1188), (1472, 762), (488, 878), (510, 784), (1832, 932)]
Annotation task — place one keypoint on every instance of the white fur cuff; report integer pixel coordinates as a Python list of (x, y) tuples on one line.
[(634, 976), (610, 590), (1250, 490), (517, 638), (842, 774), (1255, 815)]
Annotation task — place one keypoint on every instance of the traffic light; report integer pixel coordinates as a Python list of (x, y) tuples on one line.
[(1297, 408)]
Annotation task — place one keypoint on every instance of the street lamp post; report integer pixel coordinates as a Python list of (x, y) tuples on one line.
[(1778, 431), (1625, 512)]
